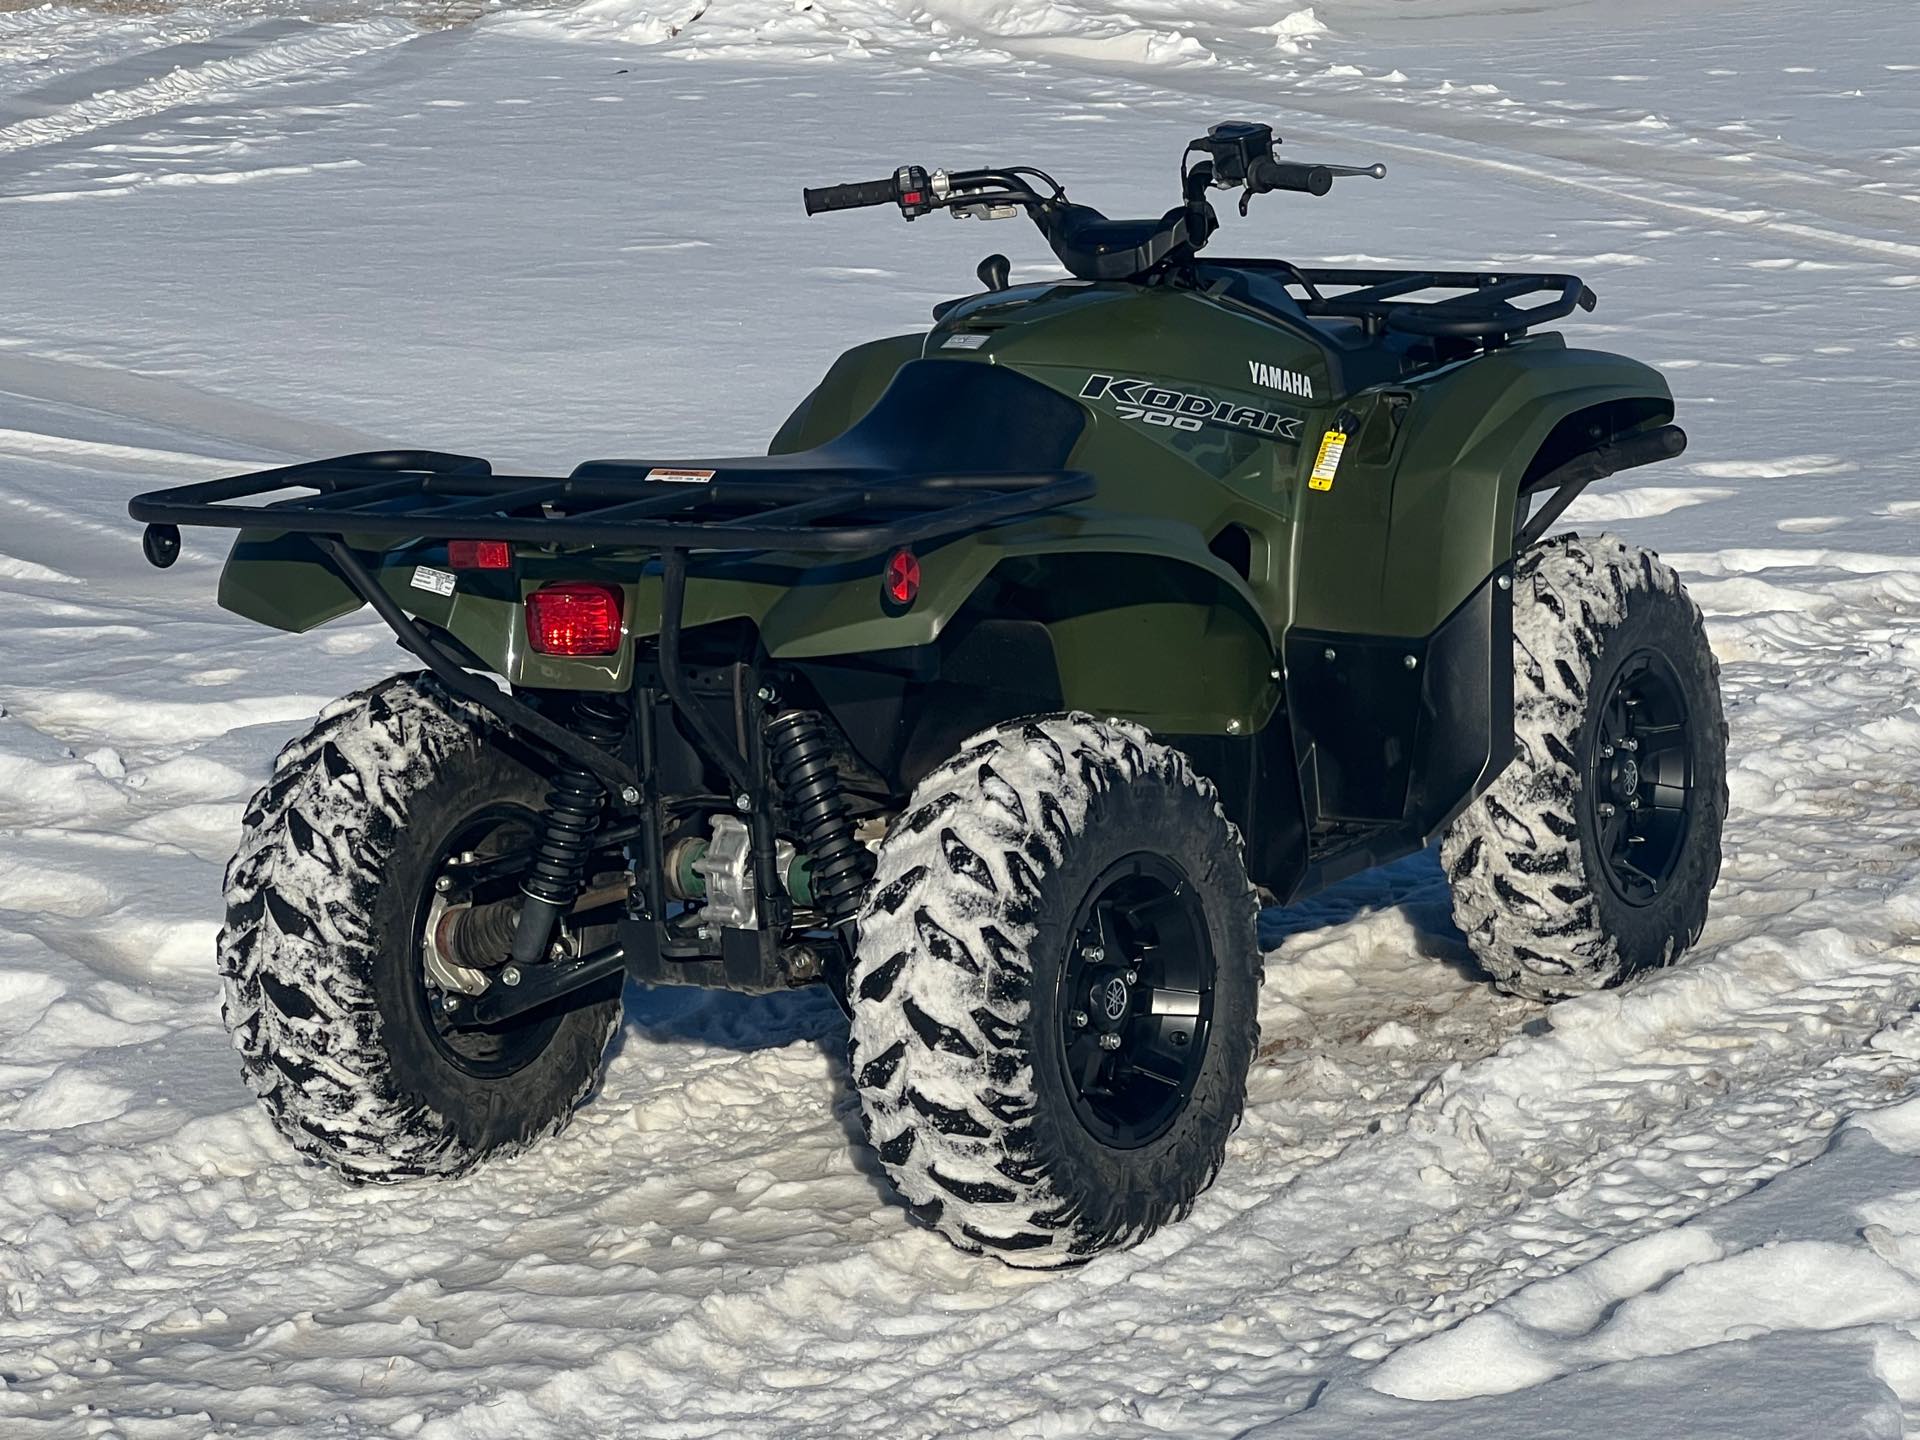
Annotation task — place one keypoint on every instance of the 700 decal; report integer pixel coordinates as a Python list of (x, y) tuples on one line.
[(1155, 404)]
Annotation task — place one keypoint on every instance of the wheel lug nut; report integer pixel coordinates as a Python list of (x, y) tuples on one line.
[(1629, 744), (1079, 1019), (1634, 803), (1109, 1041), (1606, 752), (1606, 811), (1133, 976)]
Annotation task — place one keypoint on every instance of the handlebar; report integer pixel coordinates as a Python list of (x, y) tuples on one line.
[(917, 191), (1240, 154), (1265, 174), (852, 197)]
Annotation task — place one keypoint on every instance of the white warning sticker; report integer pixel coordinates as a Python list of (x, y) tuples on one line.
[(425, 577), (963, 342), (680, 477)]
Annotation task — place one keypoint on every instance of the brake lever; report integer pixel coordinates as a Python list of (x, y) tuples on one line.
[(1375, 171)]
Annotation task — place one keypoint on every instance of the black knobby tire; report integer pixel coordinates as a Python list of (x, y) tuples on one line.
[(965, 1053), (1588, 861), (326, 995)]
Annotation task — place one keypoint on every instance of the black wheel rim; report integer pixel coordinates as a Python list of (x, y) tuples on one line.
[(1135, 1001), (475, 863), (1639, 780)]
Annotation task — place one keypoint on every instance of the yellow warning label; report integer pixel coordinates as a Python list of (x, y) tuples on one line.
[(1332, 445)]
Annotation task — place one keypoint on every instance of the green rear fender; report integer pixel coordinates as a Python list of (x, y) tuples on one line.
[(283, 581), (1145, 623)]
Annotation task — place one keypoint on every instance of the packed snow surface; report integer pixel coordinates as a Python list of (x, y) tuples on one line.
[(258, 231)]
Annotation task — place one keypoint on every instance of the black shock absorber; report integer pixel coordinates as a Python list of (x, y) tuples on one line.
[(800, 755), (566, 834)]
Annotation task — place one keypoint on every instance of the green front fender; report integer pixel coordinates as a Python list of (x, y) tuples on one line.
[(1422, 511)]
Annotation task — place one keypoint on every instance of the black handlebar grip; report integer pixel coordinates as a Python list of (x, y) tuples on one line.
[(851, 197), (1281, 175)]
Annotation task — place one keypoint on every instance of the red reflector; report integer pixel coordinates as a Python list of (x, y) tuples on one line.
[(903, 578), (479, 555), (574, 619)]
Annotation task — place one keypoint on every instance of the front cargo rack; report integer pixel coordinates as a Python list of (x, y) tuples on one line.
[(762, 503), (1483, 307)]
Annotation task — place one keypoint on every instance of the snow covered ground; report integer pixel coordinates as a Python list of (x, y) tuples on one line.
[(235, 233)]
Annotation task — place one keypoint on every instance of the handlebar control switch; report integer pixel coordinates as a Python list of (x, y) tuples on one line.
[(914, 189), (1236, 147)]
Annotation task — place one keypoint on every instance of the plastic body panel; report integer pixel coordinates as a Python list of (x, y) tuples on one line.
[(1423, 507), (1152, 617)]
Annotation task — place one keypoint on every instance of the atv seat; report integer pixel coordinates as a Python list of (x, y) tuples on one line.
[(938, 417)]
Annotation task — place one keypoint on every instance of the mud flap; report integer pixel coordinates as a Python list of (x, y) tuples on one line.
[(1405, 733)]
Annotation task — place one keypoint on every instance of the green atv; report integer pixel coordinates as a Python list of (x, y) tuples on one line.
[(1040, 650)]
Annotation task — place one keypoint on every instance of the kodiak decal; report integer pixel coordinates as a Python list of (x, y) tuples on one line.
[(1155, 404)]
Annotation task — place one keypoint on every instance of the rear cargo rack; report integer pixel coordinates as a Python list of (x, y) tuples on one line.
[(1483, 309), (772, 503), (755, 504)]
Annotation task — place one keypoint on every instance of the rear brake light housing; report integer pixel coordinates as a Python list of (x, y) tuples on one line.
[(479, 555), (574, 618)]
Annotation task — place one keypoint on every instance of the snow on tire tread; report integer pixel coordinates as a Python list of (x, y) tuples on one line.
[(940, 989), (1521, 893), (296, 950)]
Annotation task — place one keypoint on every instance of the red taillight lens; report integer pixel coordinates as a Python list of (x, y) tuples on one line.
[(574, 619), (902, 582), (479, 555)]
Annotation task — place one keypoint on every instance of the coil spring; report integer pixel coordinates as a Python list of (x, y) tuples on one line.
[(573, 811), (800, 753)]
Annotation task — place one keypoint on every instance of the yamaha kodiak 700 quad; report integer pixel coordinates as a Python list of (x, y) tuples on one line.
[(1037, 649)]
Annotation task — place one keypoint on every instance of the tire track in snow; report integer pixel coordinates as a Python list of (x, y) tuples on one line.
[(1807, 196), (712, 1202), (280, 53), (33, 445), (1506, 1170)]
